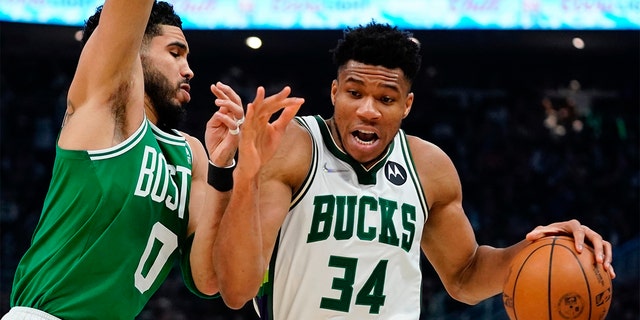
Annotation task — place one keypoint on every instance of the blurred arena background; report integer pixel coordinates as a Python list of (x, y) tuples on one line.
[(542, 124)]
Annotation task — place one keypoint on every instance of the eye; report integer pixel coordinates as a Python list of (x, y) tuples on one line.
[(387, 100), (354, 93), (174, 54)]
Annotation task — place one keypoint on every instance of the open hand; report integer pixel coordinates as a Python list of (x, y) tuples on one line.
[(260, 137)]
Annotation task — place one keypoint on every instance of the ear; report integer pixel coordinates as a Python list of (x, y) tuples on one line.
[(407, 105), (334, 90)]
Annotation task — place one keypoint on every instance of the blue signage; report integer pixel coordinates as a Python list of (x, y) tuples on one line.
[(338, 14)]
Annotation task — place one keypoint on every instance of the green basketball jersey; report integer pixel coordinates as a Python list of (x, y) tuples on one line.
[(113, 224)]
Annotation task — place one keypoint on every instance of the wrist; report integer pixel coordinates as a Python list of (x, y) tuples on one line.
[(219, 178)]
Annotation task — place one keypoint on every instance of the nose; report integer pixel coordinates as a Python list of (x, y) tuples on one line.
[(368, 110), (187, 73)]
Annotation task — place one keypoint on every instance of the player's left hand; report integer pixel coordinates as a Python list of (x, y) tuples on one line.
[(262, 134), (602, 249), (221, 135)]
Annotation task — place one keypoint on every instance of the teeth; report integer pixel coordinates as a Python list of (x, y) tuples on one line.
[(363, 142), (365, 137)]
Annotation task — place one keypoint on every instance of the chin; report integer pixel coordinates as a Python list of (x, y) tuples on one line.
[(362, 158)]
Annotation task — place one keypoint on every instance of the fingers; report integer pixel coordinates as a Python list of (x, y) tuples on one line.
[(264, 107), (604, 255), (231, 113), (241, 120), (602, 249), (579, 233), (290, 109), (535, 234), (229, 92), (225, 119), (608, 254), (228, 99)]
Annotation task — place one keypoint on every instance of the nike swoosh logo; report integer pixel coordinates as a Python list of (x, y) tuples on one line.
[(332, 170)]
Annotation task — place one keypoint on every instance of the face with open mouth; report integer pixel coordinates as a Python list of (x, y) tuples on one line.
[(369, 105)]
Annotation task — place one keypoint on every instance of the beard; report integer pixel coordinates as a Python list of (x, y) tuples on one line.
[(162, 93)]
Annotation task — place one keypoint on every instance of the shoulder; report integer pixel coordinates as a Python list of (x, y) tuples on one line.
[(427, 155), (191, 140), (296, 137), (291, 162), (200, 158)]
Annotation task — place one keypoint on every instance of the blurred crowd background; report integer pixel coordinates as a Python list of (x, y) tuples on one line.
[(538, 130)]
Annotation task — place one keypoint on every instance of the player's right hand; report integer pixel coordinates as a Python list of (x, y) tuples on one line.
[(221, 138)]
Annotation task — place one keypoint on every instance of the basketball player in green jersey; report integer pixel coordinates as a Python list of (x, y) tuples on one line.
[(128, 191), (328, 216)]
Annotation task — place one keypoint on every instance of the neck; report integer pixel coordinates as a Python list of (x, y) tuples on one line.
[(150, 111), (331, 123)]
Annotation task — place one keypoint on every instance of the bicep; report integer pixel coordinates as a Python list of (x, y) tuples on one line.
[(280, 178), (275, 198), (198, 193), (448, 240)]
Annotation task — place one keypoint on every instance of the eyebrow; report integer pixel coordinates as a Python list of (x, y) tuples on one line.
[(179, 44), (360, 82)]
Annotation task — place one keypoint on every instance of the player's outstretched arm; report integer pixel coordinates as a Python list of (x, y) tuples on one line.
[(472, 272), (239, 249), (212, 182)]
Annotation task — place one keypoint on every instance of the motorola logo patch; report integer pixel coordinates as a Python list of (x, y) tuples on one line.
[(395, 173)]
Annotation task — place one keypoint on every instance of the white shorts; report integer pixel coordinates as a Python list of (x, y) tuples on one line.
[(26, 313)]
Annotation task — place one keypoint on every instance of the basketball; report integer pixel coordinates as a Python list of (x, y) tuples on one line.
[(549, 280)]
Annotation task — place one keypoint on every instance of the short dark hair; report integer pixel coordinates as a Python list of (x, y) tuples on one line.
[(162, 13), (380, 45)]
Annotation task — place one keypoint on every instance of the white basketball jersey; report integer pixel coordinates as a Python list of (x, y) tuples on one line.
[(349, 247)]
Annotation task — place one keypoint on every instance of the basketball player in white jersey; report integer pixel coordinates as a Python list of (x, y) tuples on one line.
[(328, 216)]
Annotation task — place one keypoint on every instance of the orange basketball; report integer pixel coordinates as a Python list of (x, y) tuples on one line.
[(549, 280)]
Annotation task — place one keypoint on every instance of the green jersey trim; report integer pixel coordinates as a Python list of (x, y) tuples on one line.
[(121, 148), (174, 139), (313, 168), (406, 151)]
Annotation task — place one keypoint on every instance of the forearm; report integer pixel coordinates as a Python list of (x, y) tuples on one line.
[(238, 249), (485, 275), (117, 40), (201, 257)]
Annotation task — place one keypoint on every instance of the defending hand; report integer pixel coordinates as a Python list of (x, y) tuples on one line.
[(221, 134)]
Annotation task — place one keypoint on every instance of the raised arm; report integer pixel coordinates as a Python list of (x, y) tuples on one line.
[(207, 204), (106, 99), (240, 251)]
